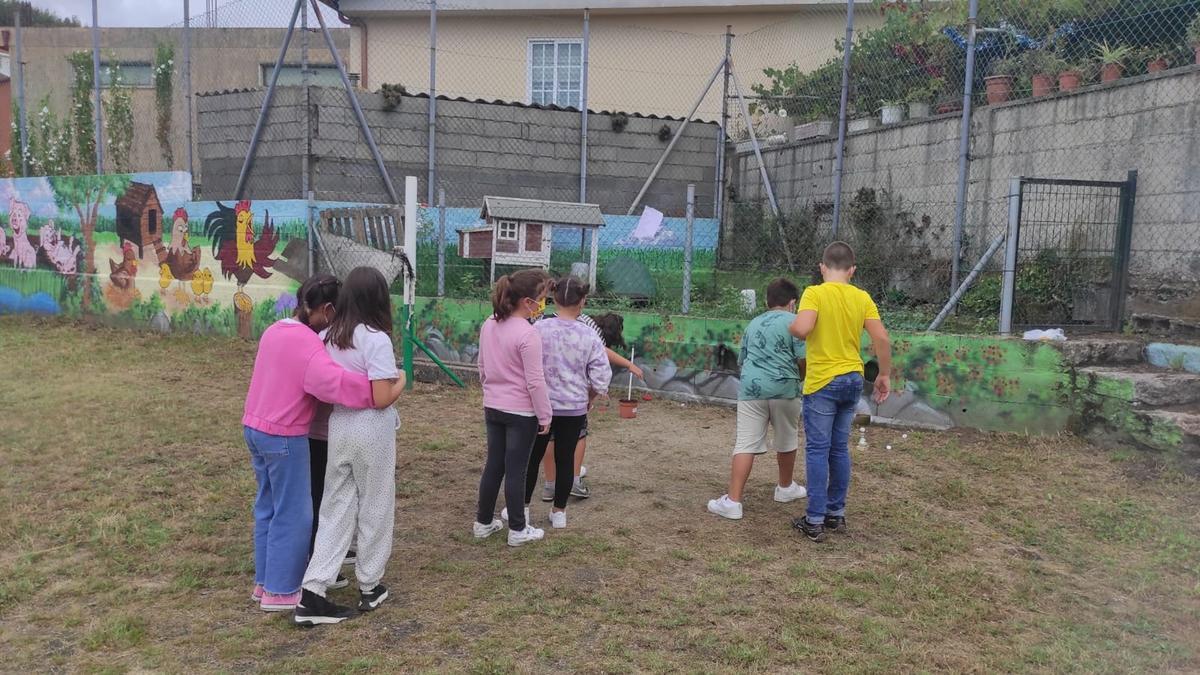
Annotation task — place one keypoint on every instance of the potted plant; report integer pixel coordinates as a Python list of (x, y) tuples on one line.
[(1071, 77), (1193, 35), (891, 112), (1159, 57), (1000, 83), (920, 99), (1043, 67), (1112, 61), (393, 96)]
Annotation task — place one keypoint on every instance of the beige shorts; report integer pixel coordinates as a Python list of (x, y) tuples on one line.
[(752, 418)]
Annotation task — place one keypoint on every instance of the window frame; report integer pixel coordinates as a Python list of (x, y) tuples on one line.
[(105, 65), (516, 230), (265, 69), (556, 42)]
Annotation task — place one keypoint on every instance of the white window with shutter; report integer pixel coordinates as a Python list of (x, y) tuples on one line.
[(507, 231), (556, 72)]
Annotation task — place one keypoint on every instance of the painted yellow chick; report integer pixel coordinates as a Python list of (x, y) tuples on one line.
[(165, 278), (202, 283)]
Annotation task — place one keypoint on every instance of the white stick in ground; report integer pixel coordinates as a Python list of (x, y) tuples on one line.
[(629, 395)]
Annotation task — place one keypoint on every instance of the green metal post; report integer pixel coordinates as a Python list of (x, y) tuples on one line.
[(407, 347)]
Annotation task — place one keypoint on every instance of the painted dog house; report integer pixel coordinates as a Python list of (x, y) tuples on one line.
[(519, 231)]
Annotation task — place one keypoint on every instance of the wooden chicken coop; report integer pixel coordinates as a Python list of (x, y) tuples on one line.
[(139, 216), (520, 231)]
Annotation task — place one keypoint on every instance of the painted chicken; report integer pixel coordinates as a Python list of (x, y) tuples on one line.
[(202, 284), (242, 255), (179, 262), (124, 273)]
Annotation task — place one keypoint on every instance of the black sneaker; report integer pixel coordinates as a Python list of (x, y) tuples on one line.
[(813, 531), (369, 600), (340, 582), (351, 558), (836, 524), (314, 610)]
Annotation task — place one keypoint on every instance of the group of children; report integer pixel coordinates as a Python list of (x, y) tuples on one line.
[(321, 428), (803, 362)]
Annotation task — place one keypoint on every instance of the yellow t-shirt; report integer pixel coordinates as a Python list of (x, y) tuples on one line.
[(835, 343)]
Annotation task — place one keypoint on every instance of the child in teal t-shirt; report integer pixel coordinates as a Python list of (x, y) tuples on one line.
[(769, 395)]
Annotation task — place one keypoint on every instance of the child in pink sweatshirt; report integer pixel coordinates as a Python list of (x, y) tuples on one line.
[(516, 404), (291, 372)]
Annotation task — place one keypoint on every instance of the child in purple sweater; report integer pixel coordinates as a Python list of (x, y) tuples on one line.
[(575, 363)]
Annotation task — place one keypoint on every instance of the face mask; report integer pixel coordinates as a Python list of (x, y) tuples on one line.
[(541, 308)]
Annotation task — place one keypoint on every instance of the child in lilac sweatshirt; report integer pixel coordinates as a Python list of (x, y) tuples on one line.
[(575, 363), (516, 407), (291, 372)]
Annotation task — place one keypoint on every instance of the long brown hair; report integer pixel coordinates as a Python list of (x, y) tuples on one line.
[(512, 288), (364, 299)]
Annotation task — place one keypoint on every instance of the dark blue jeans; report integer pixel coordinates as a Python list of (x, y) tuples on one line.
[(828, 416)]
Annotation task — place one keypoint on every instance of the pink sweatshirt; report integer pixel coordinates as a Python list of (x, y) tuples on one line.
[(291, 372), (510, 368)]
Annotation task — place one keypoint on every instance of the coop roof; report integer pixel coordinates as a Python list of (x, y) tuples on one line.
[(136, 197), (541, 211)]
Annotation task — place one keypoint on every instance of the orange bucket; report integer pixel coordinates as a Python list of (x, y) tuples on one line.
[(628, 408)]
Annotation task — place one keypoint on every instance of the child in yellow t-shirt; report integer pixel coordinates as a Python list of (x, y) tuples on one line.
[(831, 317)]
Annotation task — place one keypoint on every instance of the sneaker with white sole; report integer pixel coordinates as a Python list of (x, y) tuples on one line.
[(725, 507), (790, 493), (315, 610), (548, 491), (369, 600), (351, 558), (525, 536), (558, 519), (340, 582), (504, 514), (484, 531), (279, 602), (579, 490)]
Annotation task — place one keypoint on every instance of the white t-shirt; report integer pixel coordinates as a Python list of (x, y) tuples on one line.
[(372, 355)]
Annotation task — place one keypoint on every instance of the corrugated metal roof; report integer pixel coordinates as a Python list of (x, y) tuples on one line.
[(540, 211)]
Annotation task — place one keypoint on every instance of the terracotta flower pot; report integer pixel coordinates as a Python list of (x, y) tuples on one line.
[(1111, 72), (1157, 66), (950, 107), (628, 408), (1069, 80), (1043, 84), (999, 88)]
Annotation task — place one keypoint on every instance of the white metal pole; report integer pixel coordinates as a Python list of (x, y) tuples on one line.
[(441, 243), (187, 83), (305, 81), (964, 143), (432, 177), (687, 248), (99, 130), (840, 162), (410, 235), (1010, 256), (583, 106), (18, 69)]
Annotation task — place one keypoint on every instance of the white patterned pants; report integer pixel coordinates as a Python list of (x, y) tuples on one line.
[(359, 498)]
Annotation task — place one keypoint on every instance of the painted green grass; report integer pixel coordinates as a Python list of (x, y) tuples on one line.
[(128, 542)]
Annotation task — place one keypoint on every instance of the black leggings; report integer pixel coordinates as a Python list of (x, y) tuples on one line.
[(509, 442), (318, 453), (564, 430)]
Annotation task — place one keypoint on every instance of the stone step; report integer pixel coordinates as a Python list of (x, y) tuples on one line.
[(1167, 326), (1176, 432), (1102, 351), (1144, 386)]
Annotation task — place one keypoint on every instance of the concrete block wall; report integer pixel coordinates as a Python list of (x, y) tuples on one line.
[(1145, 123), (482, 148)]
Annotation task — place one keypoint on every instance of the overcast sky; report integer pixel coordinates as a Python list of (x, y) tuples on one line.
[(243, 13)]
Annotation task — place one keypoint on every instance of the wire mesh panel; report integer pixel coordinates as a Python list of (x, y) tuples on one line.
[(1072, 253)]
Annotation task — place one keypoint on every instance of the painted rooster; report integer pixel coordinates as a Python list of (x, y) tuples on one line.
[(242, 255), (124, 273), (179, 262)]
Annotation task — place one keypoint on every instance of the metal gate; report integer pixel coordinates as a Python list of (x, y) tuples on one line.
[(1067, 254)]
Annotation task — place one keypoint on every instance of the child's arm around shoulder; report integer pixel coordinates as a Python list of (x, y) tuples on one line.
[(387, 381), (806, 314), (327, 381)]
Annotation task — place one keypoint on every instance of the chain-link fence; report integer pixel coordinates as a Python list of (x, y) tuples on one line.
[(785, 142)]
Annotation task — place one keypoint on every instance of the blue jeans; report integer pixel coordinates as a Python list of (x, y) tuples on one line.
[(828, 415), (283, 513)]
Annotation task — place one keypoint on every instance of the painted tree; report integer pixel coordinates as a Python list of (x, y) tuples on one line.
[(85, 194)]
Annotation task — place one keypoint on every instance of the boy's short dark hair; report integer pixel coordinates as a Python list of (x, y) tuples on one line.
[(838, 256), (780, 292)]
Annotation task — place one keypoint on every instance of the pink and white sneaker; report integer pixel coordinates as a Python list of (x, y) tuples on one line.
[(279, 602), (257, 595)]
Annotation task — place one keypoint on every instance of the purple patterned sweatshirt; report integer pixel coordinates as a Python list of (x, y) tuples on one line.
[(575, 363)]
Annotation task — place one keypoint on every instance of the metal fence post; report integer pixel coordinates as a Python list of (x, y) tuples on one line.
[(722, 134), (1008, 287), (964, 145), (1124, 242), (583, 106), (840, 162), (441, 243), (19, 71), (187, 84), (99, 130), (431, 179), (687, 248), (305, 81)]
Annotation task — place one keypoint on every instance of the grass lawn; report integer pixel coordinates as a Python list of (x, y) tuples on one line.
[(125, 492)]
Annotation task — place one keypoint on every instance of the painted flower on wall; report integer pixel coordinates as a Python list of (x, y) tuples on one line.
[(285, 305)]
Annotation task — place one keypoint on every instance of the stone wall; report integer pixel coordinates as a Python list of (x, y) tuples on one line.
[(1101, 132), (482, 148)]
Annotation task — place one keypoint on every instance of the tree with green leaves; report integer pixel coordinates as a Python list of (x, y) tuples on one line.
[(33, 17), (82, 118), (164, 91), (85, 194)]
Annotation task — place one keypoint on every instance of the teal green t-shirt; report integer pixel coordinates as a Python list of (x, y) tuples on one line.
[(768, 358)]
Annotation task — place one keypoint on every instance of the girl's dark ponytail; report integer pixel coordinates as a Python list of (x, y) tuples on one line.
[(512, 288), (317, 290), (569, 291)]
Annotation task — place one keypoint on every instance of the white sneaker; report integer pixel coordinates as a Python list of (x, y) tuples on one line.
[(582, 471), (558, 519), (525, 536), (725, 507), (504, 514), (484, 531), (790, 493)]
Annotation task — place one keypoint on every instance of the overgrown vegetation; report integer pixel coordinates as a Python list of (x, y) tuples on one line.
[(164, 99), (118, 119), (33, 17)]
